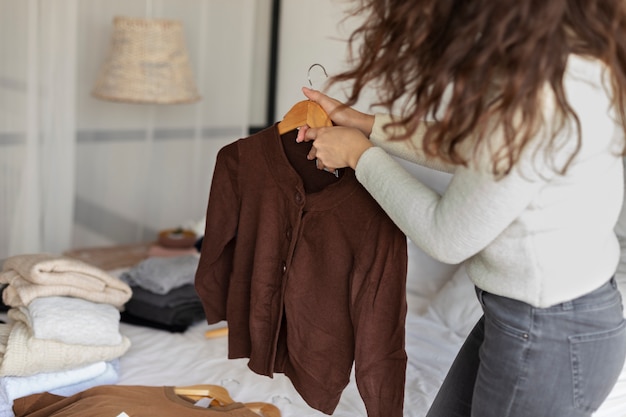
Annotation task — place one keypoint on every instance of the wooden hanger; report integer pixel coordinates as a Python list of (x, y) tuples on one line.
[(223, 398), (263, 409), (304, 112), (196, 392), (213, 333)]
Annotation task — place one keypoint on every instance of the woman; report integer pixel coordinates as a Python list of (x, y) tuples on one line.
[(524, 102)]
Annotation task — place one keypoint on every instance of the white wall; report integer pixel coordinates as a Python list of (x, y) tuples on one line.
[(169, 149), (311, 32), (139, 168), (143, 168)]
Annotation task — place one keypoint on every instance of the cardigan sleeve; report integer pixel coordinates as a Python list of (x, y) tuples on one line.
[(378, 310), (216, 256)]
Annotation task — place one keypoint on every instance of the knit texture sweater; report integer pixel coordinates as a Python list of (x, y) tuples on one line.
[(535, 235), (308, 271)]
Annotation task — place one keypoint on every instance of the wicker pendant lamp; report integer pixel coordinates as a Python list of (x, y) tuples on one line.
[(147, 63)]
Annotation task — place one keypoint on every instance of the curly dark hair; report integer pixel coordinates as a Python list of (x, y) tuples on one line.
[(446, 55)]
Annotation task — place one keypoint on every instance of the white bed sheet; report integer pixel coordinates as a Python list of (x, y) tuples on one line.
[(434, 333), (161, 358)]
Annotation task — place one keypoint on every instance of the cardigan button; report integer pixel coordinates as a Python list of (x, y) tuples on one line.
[(284, 267), (298, 198)]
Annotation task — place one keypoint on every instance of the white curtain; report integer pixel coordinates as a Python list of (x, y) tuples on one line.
[(76, 171), (37, 123)]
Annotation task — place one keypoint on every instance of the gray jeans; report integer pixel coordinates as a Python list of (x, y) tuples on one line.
[(521, 361)]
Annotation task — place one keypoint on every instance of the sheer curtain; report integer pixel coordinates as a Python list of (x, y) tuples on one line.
[(37, 123), (76, 171)]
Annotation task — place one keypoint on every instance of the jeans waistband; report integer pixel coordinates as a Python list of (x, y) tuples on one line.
[(605, 295)]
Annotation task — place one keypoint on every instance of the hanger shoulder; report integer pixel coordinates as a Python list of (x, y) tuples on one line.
[(221, 395), (263, 409), (316, 116), (195, 392), (294, 118), (304, 112)]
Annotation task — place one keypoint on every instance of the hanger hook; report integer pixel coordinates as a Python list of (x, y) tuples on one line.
[(309, 72)]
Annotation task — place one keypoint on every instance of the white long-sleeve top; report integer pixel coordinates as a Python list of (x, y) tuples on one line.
[(534, 235)]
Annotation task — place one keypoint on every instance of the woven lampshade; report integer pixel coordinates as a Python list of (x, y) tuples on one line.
[(147, 63)]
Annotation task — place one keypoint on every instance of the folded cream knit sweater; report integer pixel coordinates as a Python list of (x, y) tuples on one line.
[(39, 275)]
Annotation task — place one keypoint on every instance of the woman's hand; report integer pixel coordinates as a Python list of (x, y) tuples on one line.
[(339, 113), (343, 144), (334, 147)]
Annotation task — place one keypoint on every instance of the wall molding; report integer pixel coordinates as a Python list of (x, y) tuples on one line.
[(136, 135)]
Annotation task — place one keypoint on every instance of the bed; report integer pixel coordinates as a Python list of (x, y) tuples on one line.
[(442, 309)]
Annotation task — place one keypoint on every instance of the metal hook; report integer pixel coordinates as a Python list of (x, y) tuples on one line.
[(309, 72)]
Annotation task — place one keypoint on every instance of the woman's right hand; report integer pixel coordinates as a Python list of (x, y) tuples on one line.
[(340, 114)]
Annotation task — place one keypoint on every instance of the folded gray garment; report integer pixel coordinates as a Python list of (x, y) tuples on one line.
[(183, 295), (174, 311), (160, 275), (177, 314)]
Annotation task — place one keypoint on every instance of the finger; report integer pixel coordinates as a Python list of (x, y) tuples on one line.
[(312, 154), (320, 165), (309, 134), (301, 132), (310, 93), (320, 98), (328, 103)]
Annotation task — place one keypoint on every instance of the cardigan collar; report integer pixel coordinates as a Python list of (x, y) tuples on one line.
[(286, 159)]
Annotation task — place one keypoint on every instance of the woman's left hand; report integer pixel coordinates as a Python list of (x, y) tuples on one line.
[(335, 147)]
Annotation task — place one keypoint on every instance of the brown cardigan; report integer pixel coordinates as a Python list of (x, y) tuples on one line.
[(112, 400), (309, 282)]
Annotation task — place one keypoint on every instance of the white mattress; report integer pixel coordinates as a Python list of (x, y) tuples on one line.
[(434, 332), (437, 323), (163, 358)]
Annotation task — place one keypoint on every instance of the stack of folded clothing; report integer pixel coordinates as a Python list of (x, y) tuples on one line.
[(164, 296), (63, 334)]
